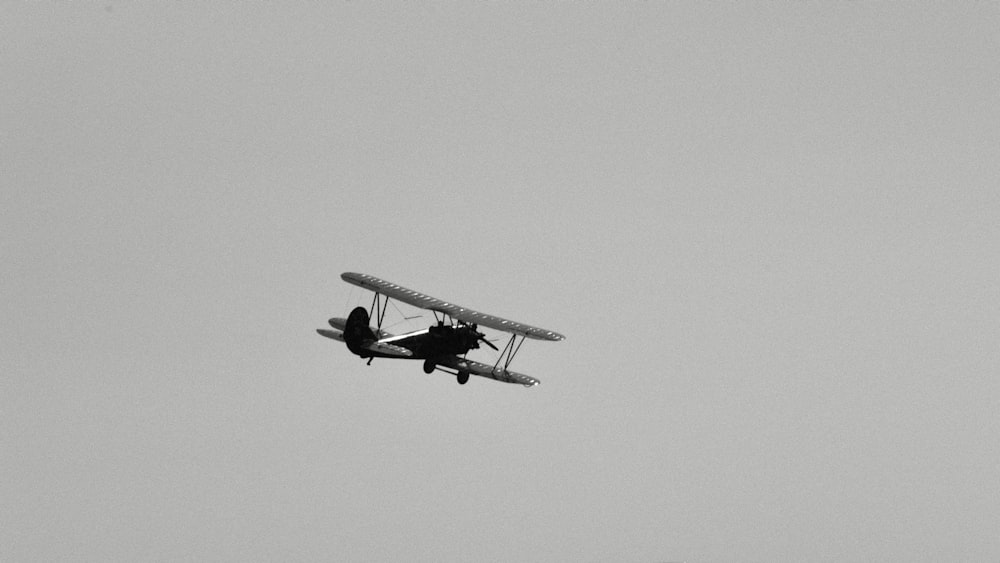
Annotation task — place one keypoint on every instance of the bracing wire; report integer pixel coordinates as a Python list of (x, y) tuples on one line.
[(403, 316), (350, 299)]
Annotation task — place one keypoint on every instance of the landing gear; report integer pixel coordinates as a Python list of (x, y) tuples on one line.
[(463, 377), (429, 367)]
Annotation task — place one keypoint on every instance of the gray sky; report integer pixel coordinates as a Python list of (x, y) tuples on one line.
[(769, 232)]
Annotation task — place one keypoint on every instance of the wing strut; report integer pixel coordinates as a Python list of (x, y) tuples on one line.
[(510, 350), (379, 308)]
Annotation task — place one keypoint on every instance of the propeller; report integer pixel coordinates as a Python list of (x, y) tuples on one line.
[(480, 337)]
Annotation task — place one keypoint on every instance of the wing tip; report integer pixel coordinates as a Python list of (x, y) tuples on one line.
[(352, 277), (540, 334)]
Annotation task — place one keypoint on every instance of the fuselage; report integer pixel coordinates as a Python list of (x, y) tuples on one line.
[(436, 341), (426, 344)]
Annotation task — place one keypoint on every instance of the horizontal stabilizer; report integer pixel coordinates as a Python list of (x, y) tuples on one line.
[(341, 325), (336, 335)]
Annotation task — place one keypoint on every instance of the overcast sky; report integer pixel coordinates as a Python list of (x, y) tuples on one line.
[(769, 231)]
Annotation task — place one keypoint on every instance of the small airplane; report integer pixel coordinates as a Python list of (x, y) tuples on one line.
[(443, 346)]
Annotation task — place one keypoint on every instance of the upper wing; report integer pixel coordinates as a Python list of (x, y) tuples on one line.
[(423, 301), (486, 370)]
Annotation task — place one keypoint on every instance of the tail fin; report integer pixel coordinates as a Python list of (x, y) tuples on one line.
[(357, 333)]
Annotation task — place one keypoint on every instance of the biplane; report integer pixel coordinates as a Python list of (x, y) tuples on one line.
[(442, 346)]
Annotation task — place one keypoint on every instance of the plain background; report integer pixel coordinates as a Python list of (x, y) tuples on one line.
[(769, 232)]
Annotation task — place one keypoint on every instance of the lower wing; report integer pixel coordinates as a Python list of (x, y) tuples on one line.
[(378, 349), (485, 370)]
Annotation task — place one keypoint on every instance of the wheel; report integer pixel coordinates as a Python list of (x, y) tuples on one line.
[(429, 366), (463, 377)]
